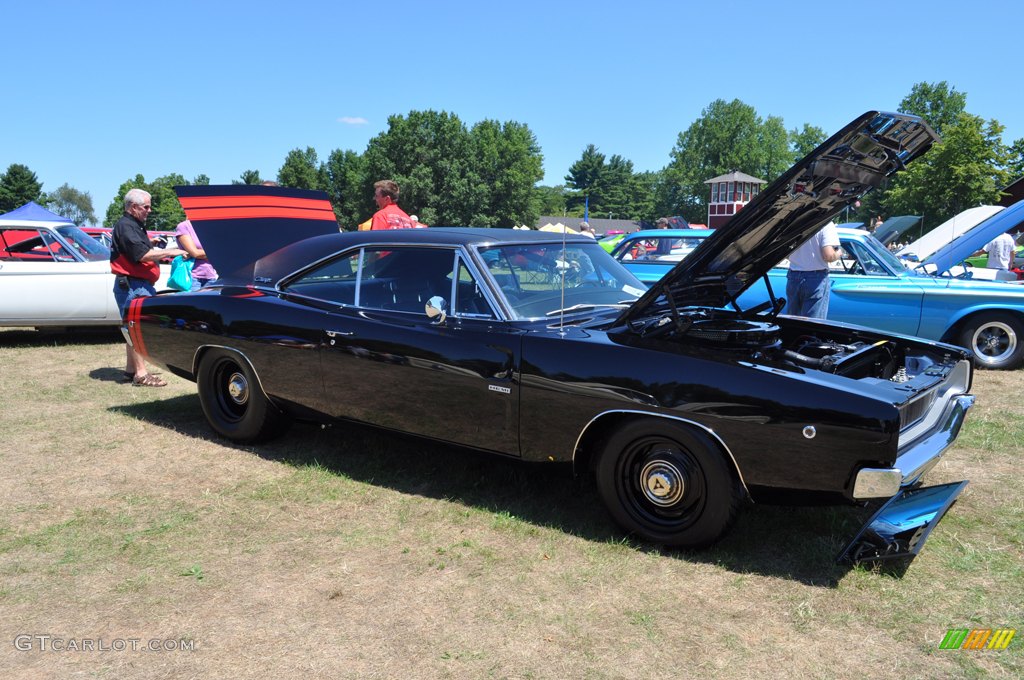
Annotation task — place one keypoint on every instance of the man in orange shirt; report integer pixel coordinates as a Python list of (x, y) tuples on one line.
[(390, 216)]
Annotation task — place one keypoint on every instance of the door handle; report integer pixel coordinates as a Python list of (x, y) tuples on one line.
[(333, 334)]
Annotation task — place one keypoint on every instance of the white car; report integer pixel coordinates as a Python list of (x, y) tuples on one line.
[(54, 274)]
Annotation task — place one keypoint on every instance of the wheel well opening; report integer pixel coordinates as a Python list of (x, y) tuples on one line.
[(952, 334), (597, 433)]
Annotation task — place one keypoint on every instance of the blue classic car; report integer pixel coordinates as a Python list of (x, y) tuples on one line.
[(938, 299)]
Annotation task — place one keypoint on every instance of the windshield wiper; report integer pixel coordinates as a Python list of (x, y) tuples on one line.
[(585, 305)]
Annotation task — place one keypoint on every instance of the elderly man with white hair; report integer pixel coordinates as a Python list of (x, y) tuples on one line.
[(134, 259)]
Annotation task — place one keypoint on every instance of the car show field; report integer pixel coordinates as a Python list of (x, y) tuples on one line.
[(469, 452), (345, 552)]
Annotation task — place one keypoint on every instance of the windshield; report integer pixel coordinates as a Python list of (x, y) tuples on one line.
[(667, 249), (887, 256), (88, 247), (538, 279)]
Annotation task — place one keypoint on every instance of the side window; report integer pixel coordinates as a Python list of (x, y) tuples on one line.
[(469, 298), (58, 250), (857, 259), (334, 281), (403, 279), (34, 245)]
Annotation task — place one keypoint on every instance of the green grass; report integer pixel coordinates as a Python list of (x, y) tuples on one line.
[(350, 553)]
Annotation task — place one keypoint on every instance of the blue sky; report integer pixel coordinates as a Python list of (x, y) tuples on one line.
[(106, 90)]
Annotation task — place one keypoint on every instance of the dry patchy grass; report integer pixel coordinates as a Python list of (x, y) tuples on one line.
[(348, 553)]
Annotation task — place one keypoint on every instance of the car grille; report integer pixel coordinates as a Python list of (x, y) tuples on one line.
[(916, 410), (926, 412)]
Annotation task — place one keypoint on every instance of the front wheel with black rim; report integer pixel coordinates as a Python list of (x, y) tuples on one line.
[(667, 483), (233, 401), (996, 340)]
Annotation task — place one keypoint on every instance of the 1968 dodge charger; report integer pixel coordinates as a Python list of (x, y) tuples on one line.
[(544, 348)]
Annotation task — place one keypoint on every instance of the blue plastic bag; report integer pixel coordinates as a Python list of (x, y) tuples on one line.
[(181, 273)]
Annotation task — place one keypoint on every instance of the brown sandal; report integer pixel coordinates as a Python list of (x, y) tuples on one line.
[(149, 380)]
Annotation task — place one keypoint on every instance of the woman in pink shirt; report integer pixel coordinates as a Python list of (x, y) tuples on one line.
[(203, 272)]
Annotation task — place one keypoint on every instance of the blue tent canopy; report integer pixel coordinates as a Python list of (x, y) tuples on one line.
[(33, 212)]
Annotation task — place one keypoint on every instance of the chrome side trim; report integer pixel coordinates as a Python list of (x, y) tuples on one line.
[(924, 454), (711, 433)]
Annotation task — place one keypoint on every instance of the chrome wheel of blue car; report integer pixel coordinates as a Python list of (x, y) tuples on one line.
[(996, 340), (233, 401), (667, 483)]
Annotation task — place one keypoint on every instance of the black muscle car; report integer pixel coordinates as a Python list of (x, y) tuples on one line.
[(543, 348)]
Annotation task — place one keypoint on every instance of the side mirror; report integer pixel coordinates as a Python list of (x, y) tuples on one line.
[(437, 309)]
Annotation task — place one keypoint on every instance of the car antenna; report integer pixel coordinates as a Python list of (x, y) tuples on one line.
[(561, 304)]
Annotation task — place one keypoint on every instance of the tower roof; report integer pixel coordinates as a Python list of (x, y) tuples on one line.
[(735, 176)]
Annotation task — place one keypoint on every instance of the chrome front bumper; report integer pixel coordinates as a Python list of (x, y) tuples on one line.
[(918, 459)]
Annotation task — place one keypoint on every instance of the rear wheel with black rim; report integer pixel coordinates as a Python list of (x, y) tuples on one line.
[(233, 401)]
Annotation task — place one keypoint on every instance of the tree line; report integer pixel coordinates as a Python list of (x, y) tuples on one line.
[(487, 174)]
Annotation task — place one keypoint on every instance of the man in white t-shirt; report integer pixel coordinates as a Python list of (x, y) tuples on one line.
[(807, 282), (1000, 252)]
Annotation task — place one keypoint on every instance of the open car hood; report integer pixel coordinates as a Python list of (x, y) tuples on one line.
[(788, 212), (240, 223), (973, 240), (947, 232), (895, 227)]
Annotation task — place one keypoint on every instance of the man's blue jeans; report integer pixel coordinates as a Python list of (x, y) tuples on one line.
[(807, 293)]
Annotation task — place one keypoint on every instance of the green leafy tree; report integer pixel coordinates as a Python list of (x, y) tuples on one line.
[(71, 203), (612, 187), (584, 180), (939, 104), (346, 178), (644, 187), (249, 177), (671, 197), (1015, 160), (429, 154), (301, 170), (167, 212), (548, 200), (804, 140), (201, 180), (616, 196), (18, 186), (776, 152), (965, 169), (507, 163), (728, 136)]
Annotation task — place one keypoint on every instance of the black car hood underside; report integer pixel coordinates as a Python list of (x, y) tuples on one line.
[(239, 224), (788, 212)]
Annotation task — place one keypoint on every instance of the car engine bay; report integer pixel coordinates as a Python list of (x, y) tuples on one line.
[(840, 351)]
